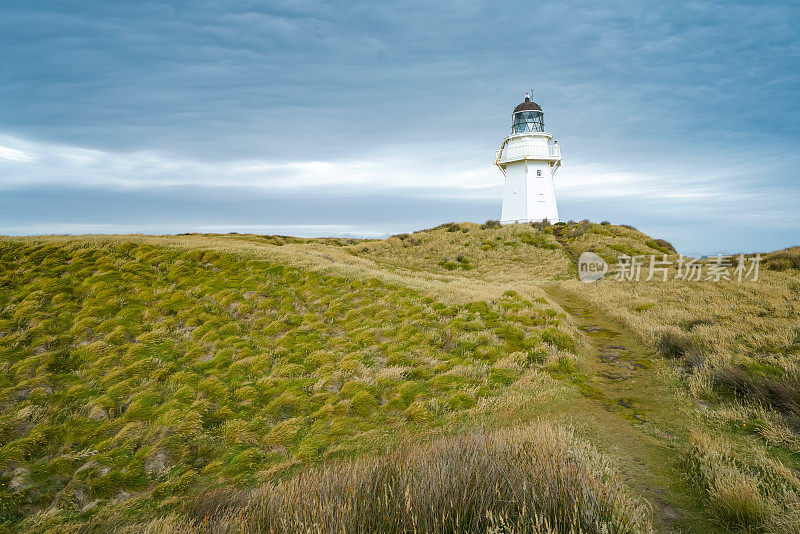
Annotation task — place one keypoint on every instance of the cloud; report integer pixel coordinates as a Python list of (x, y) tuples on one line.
[(13, 154), (587, 181), (28, 163), (727, 192), (672, 110)]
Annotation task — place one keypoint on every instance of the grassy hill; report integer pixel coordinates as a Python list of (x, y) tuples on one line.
[(236, 383)]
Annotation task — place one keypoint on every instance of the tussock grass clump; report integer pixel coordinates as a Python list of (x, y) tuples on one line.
[(133, 371), (773, 391), (526, 480), (673, 343), (746, 492), (540, 240)]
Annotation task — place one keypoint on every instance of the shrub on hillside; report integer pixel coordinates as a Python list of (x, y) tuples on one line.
[(574, 229), (538, 240), (491, 223), (783, 259), (664, 244), (780, 264)]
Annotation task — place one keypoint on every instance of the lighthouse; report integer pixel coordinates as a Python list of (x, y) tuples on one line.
[(528, 160)]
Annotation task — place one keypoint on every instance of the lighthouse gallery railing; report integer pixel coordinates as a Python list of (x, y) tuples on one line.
[(531, 152)]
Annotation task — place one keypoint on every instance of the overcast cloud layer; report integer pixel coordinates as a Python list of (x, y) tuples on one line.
[(366, 119)]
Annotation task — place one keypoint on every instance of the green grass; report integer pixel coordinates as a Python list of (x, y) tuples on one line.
[(192, 382), (135, 374)]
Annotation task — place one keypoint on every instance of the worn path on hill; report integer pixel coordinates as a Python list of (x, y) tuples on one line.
[(650, 416), (632, 409)]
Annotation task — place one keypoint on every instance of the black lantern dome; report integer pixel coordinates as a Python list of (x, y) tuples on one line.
[(527, 117)]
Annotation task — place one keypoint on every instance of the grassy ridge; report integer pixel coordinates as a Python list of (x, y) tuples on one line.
[(135, 374)]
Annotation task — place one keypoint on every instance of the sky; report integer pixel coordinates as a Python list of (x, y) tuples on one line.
[(373, 118)]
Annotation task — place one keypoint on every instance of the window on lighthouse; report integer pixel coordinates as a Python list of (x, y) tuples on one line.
[(528, 121)]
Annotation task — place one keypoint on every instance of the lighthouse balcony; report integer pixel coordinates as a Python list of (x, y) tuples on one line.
[(528, 151)]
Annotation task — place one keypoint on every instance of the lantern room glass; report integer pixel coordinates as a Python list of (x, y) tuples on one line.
[(528, 121)]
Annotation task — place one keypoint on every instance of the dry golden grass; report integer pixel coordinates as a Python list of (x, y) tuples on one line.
[(746, 490), (782, 260), (537, 479), (500, 254), (735, 345), (740, 339), (333, 259), (737, 339)]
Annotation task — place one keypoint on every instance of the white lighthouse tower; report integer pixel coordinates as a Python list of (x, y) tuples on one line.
[(528, 161)]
